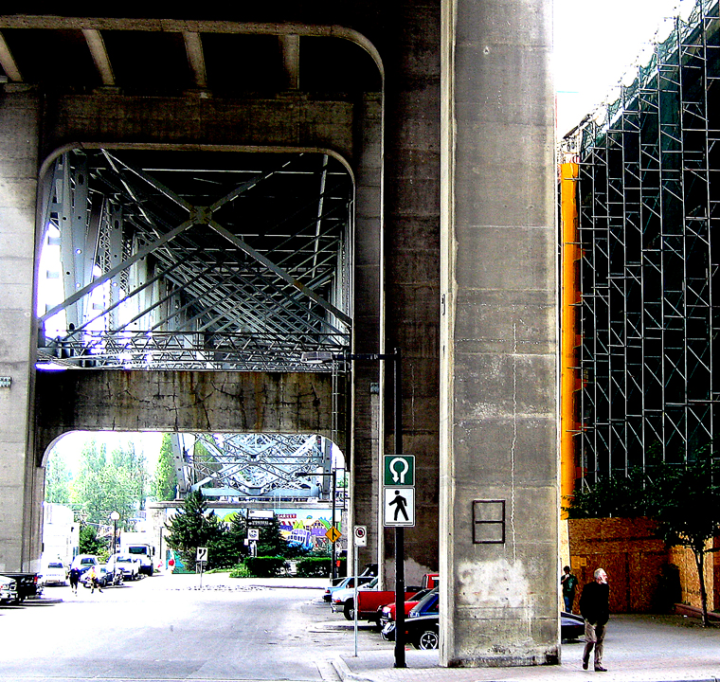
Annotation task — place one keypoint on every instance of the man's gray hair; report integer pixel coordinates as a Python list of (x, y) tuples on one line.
[(598, 571)]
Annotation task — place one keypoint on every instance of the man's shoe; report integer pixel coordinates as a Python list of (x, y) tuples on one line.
[(600, 669), (585, 665)]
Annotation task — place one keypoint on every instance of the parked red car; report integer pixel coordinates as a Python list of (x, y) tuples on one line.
[(386, 613)]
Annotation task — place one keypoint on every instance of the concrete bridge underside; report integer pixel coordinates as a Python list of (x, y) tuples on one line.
[(442, 112), (182, 402)]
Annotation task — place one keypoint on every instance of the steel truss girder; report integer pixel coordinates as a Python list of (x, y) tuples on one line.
[(258, 465), (197, 290), (283, 294)]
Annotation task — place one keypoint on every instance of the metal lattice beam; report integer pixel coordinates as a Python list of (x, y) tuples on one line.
[(205, 254), (257, 465)]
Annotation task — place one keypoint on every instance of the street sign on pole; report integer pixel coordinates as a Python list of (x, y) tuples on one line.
[(399, 470), (360, 534), (399, 504), (260, 519), (333, 534), (201, 559), (253, 533)]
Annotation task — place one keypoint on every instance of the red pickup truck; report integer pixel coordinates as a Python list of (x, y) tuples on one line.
[(371, 600)]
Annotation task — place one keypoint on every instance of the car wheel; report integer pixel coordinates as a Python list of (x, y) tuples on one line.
[(427, 639), (349, 610)]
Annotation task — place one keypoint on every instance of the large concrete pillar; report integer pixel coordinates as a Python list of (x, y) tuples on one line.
[(411, 243), (368, 292), (19, 510), (499, 487)]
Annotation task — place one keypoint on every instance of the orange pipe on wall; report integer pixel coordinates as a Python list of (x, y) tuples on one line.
[(570, 297)]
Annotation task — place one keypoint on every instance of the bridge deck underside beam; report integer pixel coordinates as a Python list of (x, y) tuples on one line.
[(212, 402)]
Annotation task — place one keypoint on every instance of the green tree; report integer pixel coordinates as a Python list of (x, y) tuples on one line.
[(110, 482), (58, 480), (683, 497), (228, 548), (271, 542), (164, 480), (89, 542), (194, 527), (685, 500), (621, 496)]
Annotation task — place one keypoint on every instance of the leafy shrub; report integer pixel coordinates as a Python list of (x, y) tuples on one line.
[(265, 566), (621, 495), (314, 567), (318, 567), (240, 571)]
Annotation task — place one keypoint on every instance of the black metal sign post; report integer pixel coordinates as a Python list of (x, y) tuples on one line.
[(399, 531), (396, 358)]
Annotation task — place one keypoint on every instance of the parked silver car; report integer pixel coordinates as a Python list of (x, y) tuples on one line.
[(8, 590)]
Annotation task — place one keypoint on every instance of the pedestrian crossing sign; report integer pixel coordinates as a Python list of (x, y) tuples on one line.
[(399, 506)]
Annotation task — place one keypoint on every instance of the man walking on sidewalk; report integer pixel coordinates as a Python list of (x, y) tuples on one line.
[(595, 609)]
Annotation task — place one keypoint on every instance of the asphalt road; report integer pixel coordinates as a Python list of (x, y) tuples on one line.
[(165, 628)]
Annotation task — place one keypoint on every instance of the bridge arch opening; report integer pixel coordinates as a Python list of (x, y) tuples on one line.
[(109, 490), (323, 100), (166, 259)]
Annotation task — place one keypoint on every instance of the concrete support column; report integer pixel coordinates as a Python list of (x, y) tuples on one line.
[(20, 479), (498, 449), (412, 243), (367, 311)]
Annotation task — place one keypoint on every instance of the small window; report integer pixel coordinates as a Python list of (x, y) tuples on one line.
[(488, 522)]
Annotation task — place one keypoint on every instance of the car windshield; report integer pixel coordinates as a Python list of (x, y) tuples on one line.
[(124, 560), (426, 600), (88, 560), (55, 564)]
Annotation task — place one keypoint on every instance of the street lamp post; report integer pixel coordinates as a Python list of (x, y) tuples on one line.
[(115, 517)]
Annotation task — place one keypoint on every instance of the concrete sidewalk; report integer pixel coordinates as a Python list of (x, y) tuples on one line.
[(637, 649)]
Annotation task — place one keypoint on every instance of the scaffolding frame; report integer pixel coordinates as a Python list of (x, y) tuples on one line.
[(649, 203)]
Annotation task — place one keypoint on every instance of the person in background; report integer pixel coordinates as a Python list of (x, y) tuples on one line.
[(595, 610), (74, 577), (569, 584), (94, 582)]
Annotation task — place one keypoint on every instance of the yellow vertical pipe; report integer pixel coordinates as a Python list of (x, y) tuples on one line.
[(569, 376)]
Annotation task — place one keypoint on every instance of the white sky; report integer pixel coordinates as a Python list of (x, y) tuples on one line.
[(596, 41), (70, 447)]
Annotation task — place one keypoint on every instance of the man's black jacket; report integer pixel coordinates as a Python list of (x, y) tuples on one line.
[(595, 603)]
